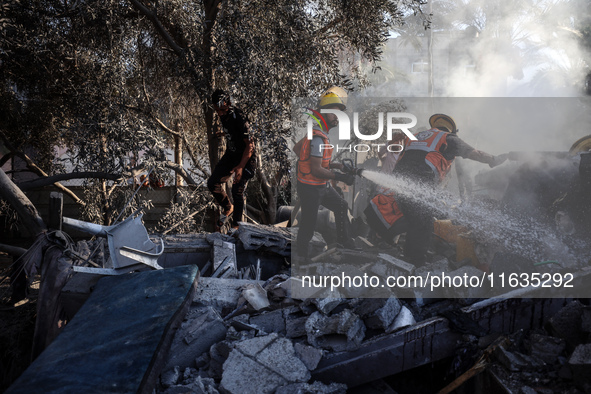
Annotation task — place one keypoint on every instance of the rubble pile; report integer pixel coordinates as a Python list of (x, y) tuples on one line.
[(270, 349), (554, 359)]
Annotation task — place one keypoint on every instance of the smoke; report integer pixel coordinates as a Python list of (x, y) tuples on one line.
[(490, 48)]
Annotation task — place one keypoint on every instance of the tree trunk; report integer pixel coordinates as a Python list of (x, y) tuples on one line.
[(21, 204)]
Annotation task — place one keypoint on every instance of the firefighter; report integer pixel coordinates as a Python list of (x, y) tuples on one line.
[(428, 160), (383, 214), (314, 173), (238, 160)]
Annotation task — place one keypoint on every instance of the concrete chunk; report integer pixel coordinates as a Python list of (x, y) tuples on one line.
[(397, 264), (270, 321), (220, 293), (339, 332), (546, 348), (566, 324), (295, 326), (202, 328), (280, 358), (404, 318), (378, 313), (243, 375), (309, 355), (252, 347)]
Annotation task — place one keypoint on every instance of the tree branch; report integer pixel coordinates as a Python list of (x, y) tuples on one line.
[(37, 170), (64, 177), (159, 27), (21, 204)]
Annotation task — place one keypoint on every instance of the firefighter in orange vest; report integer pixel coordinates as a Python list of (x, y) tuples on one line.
[(314, 173), (428, 160), (383, 214)]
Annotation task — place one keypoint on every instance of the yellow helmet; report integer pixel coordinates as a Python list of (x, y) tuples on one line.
[(334, 96), (439, 121)]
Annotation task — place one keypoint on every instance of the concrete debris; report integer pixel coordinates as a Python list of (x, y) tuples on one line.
[(339, 332), (170, 377), (221, 251), (404, 319), (566, 324), (272, 321), (265, 238), (222, 294), (202, 328), (256, 296), (295, 323), (515, 361), (378, 313), (328, 301), (546, 348), (309, 355), (397, 264), (261, 365)]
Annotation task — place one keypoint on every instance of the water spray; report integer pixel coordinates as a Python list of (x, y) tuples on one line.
[(522, 236)]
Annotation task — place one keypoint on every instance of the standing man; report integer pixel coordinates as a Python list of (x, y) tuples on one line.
[(315, 173), (428, 160), (238, 159)]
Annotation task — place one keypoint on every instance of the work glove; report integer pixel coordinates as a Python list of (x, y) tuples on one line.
[(348, 168), (347, 179), (497, 160)]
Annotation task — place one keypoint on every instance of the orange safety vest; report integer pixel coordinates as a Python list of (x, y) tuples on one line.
[(431, 141), (304, 169), (385, 207)]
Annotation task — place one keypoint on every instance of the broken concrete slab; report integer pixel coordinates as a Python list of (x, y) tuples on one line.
[(404, 319), (272, 321), (309, 355), (378, 313), (202, 328), (327, 301), (546, 348), (261, 364), (397, 264), (295, 323), (170, 377), (256, 296), (566, 324), (429, 341), (222, 294), (339, 332), (280, 357), (221, 251), (243, 375), (267, 238), (135, 313), (515, 361), (218, 354)]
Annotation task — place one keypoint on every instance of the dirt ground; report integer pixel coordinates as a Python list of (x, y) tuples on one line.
[(17, 326)]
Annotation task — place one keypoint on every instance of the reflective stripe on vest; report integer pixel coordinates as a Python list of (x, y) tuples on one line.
[(431, 143), (304, 169), (385, 207)]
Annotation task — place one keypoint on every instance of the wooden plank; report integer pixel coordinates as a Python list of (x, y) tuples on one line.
[(118, 339)]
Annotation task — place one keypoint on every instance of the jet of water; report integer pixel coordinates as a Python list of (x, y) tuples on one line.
[(489, 224)]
